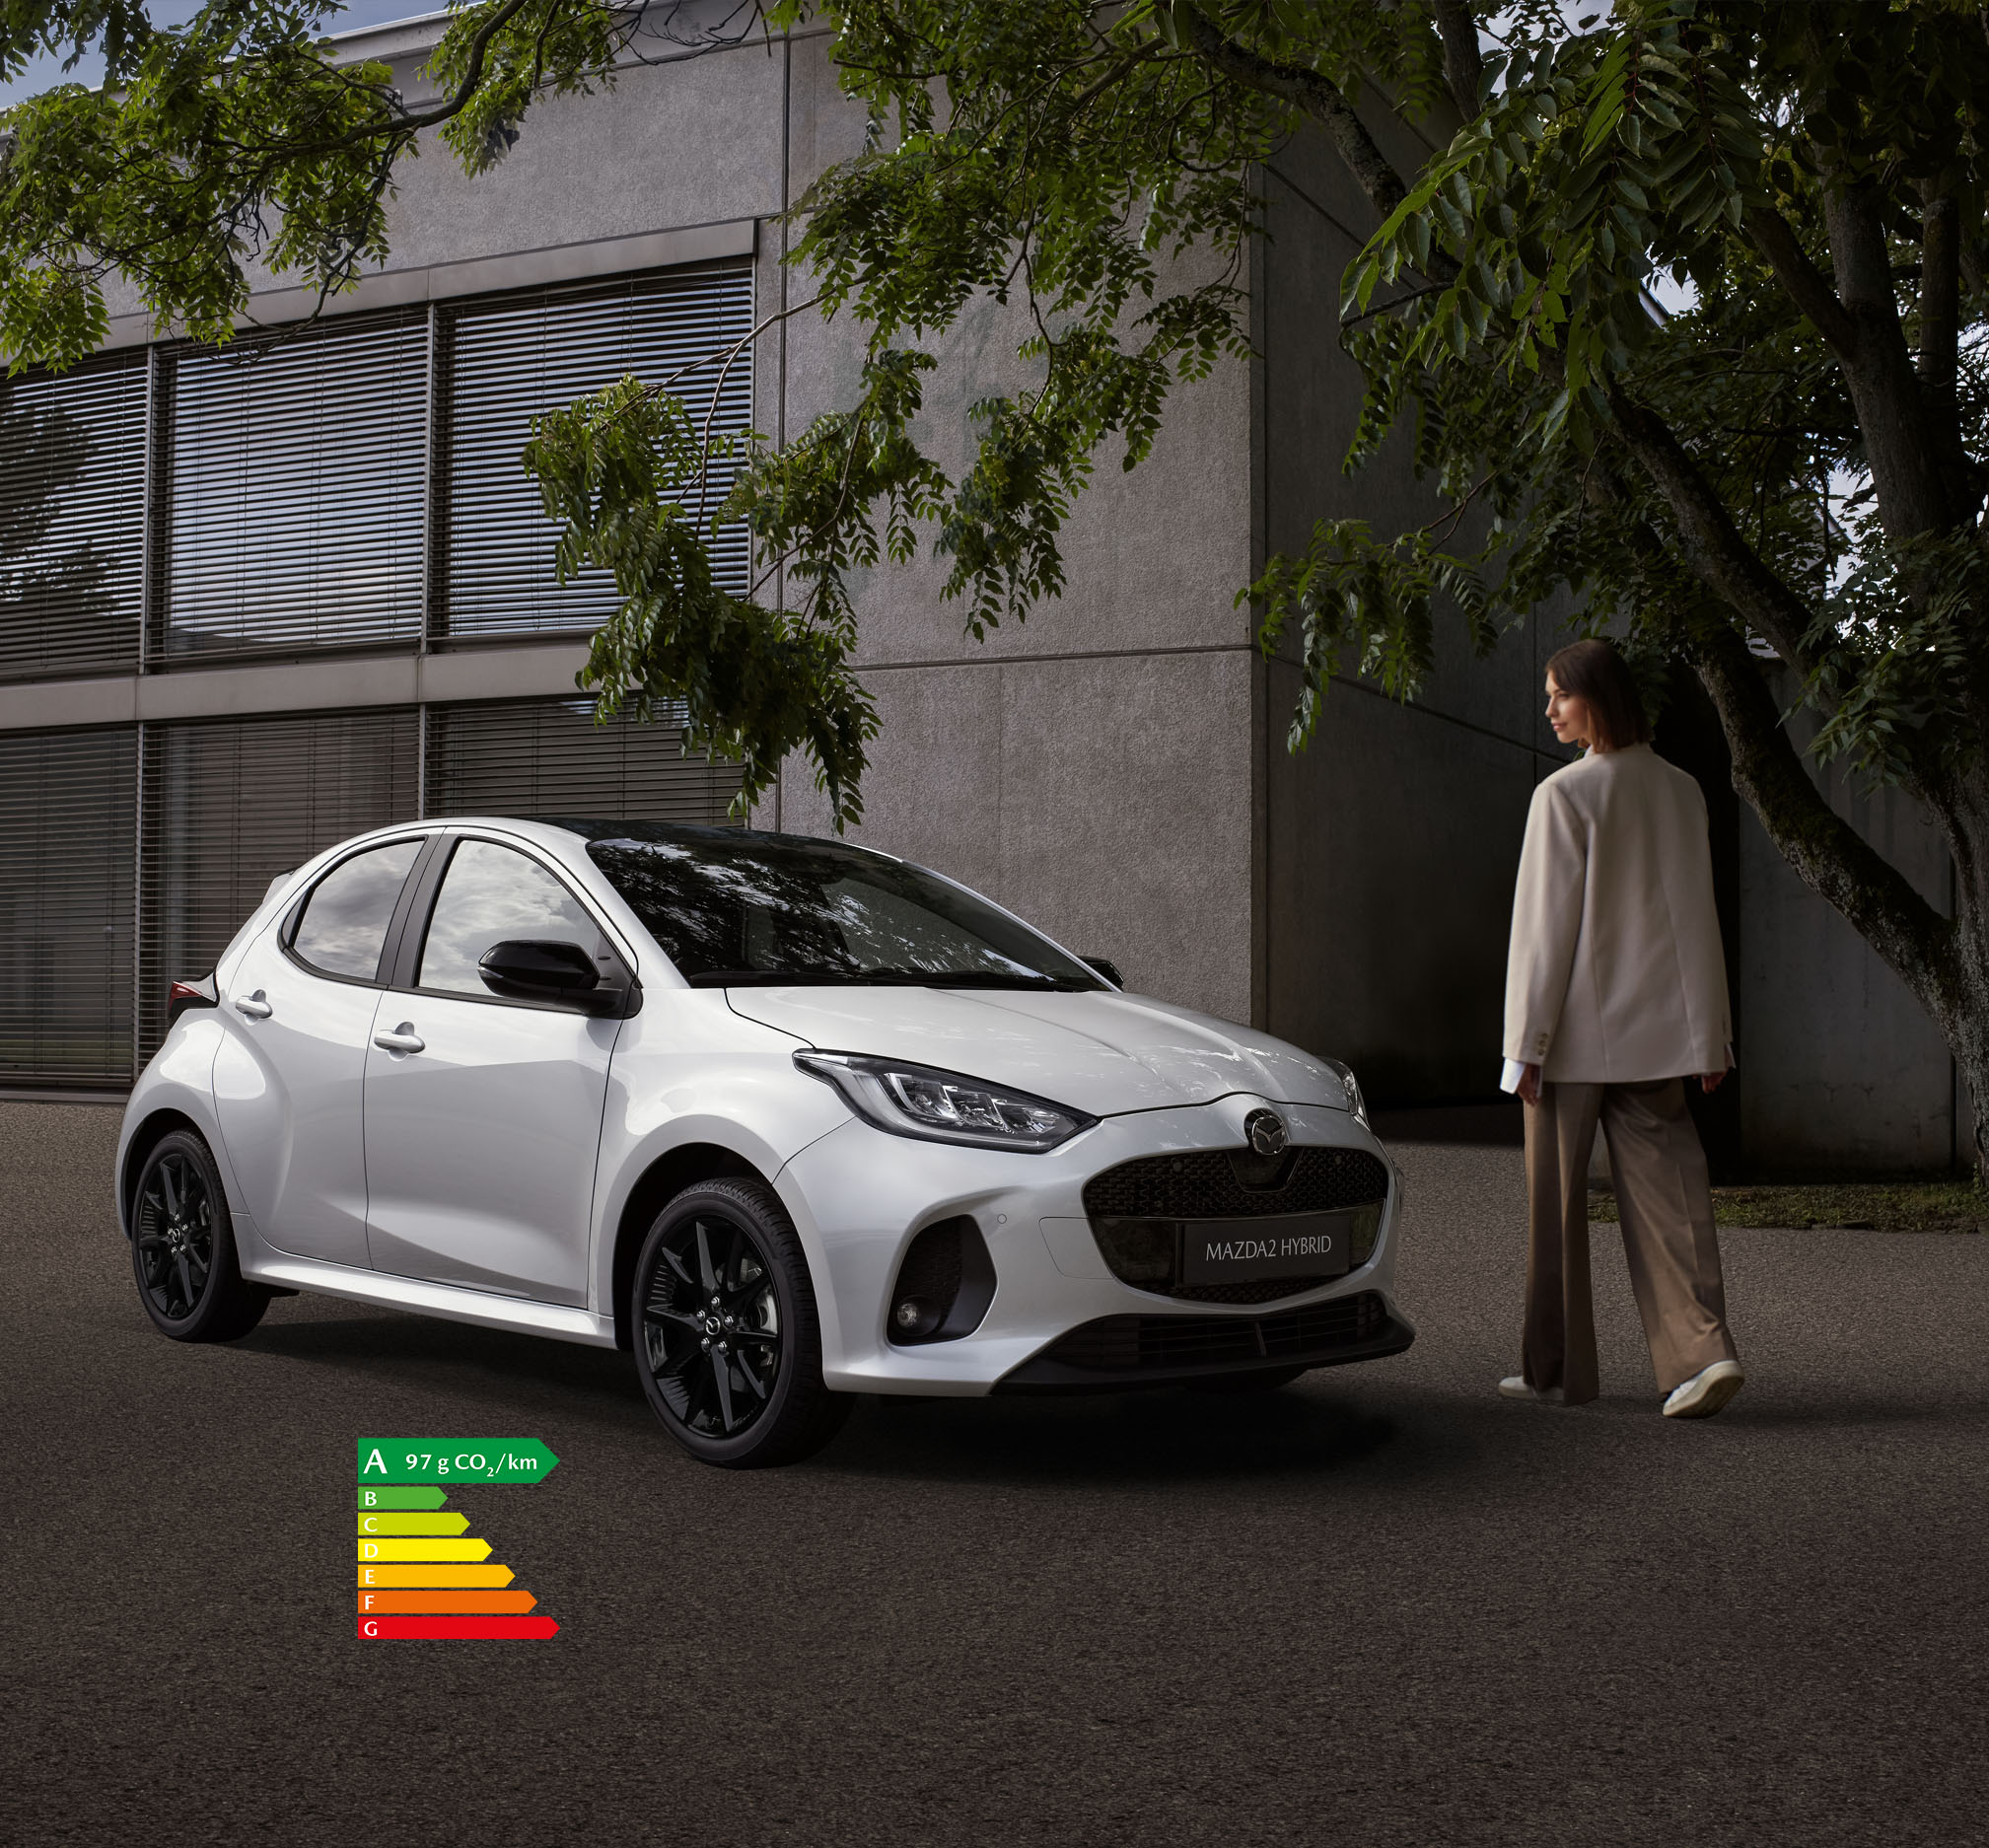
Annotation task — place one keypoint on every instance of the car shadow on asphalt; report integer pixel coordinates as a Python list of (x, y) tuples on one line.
[(478, 1363), (1157, 1437)]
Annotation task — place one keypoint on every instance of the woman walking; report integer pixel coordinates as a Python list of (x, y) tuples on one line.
[(1616, 995)]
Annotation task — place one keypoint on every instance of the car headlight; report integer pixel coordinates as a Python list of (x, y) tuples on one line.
[(1356, 1103), (944, 1106)]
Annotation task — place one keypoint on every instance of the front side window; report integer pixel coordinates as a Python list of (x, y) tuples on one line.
[(489, 895), (730, 909), (343, 928)]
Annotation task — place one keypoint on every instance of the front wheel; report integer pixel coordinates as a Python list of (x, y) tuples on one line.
[(182, 1248), (728, 1339)]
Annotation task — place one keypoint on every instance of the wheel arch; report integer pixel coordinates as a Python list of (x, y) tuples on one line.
[(660, 1182), (149, 1134)]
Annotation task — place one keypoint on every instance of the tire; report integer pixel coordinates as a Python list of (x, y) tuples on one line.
[(1266, 1380), (183, 1247), (728, 1339)]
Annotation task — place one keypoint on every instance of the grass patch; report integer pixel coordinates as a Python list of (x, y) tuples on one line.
[(1855, 1206)]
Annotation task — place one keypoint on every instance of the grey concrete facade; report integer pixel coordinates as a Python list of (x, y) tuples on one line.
[(1393, 841), (1115, 767), (1843, 1069)]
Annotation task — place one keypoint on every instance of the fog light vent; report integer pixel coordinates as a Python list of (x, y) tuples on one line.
[(944, 1286)]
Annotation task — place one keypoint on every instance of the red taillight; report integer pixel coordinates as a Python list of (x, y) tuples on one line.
[(184, 995)]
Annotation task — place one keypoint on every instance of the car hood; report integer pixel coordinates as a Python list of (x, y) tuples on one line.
[(1103, 1053)]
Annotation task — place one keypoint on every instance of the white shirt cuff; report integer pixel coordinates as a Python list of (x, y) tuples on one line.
[(1515, 1071)]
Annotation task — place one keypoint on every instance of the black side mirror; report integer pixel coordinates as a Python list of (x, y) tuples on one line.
[(1110, 971), (528, 969)]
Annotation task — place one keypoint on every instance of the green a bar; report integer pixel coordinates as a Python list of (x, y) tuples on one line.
[(371, 1500), (454, 1459)]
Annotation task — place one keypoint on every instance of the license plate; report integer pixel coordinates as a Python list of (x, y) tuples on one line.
[(1245, 1250)]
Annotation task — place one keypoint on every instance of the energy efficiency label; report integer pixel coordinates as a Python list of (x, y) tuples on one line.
[(423, 1576)]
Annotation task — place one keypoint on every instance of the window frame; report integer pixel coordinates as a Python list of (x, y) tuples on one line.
[(419, 903), (397, 922)]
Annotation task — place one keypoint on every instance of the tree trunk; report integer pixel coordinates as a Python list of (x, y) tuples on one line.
[(1969, 1040)]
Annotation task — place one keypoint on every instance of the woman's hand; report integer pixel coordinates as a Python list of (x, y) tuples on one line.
[(1530, 1084)]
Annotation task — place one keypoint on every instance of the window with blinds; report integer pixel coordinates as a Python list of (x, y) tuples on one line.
[(230, 804), (549, 757), (72, 519), (511, 360), (298, 480), (66, 840)]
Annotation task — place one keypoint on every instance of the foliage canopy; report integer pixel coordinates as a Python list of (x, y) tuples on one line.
[(1792, 465)]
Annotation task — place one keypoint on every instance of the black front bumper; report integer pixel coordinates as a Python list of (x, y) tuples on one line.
[(1119, 1352)]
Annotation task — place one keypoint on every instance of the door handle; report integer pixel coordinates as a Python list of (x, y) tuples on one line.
[(256, 1006), (403, 1038)]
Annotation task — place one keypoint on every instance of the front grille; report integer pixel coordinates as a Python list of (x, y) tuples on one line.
[(1206, 1183), (1139, 1209), (1135, 1344)]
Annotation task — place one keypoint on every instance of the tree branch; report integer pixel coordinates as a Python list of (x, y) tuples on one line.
[(409, 122), (1463, 64), (1940, 301), (1830, 856), (1715, 551), (1938, 361), (1805, 284), (1318, 96), (1900, 445)]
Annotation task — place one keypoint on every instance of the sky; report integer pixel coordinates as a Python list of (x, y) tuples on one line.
[(43, 73)]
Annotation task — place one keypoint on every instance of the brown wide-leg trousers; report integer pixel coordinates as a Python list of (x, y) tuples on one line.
[(1665, 1200)]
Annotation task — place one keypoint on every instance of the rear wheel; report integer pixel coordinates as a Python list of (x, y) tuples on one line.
[(182, 1248), (728, 1339)]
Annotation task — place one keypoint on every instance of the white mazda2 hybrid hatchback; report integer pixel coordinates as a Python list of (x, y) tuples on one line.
[(788, 1118)]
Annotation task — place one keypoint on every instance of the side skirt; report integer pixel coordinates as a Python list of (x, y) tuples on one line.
[(478, 1306)]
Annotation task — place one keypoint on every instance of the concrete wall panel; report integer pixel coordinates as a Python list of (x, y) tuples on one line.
[(1394, 841), (688, 143), (1840, 1068), (1083, 794)]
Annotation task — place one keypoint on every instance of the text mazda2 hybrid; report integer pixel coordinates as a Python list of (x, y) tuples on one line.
[(788, 1118)]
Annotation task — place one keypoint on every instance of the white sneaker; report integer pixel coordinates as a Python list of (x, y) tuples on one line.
[(1706, 1392), (1515, 1387)]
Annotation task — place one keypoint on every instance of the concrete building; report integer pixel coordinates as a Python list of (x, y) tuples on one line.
[(250, 604)]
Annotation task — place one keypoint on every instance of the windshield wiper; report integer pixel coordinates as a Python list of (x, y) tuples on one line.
[(765, 978), (890, 978)]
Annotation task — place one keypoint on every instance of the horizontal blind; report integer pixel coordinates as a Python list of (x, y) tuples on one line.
[(66, 840), (549, 757), (512, 360), (72, 519), (230, 804), (298, 471)]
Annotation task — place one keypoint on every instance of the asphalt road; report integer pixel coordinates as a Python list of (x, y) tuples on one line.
[(1385, 1606)]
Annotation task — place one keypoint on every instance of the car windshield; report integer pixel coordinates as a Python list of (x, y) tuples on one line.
[(730, 910)]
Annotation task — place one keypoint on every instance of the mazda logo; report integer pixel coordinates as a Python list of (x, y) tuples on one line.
[(1266, 1132)]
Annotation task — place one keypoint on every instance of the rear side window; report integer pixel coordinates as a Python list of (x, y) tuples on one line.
[(343, 928), (491, 894)]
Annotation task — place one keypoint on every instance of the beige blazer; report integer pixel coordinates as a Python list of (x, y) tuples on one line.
[(1615, 973)]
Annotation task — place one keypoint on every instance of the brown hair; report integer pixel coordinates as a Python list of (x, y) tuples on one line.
[(1594, 672)]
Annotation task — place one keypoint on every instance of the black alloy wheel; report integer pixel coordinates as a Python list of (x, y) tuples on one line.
[(726, 1339), (182, 1248)]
